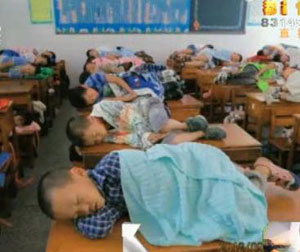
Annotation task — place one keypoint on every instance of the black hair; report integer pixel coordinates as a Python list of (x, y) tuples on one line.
[(48, 59), (83, 77), (49, 181), (76, 97), (27, 116), (241, 57), (260, 53), (38, 69), (88, 60), (53, 57), (88, 52), (75, 129), (277, 58), (74, 156)]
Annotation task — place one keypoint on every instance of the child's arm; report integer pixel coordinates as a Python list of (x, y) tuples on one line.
[(100, 224), (141, 141), (120, 82)]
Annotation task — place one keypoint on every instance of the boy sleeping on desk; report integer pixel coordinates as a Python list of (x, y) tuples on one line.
[(180, 194), (140, 124), (142, 81)]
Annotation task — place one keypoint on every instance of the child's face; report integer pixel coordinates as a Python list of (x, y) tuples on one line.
[(90, 95), (235, 57), (284, 58), (78, 198), (95, 132), (91, 67), (28, 69)]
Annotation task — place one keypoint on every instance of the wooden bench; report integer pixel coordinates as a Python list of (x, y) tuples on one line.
[(181, 109), (258, 110), (238, 145), (284, 206)]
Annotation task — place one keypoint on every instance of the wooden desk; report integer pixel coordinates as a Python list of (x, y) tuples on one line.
[(20, 94), (238, 145), (40, 86), (184, 108), (284, 206), (258, 110), (6, 126)]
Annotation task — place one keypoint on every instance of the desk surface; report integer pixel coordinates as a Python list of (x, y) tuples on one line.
[(187, 101), (283, 206), (15, 88), (236, 138)]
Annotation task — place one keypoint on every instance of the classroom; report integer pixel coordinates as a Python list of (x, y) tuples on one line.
[(149, 125)]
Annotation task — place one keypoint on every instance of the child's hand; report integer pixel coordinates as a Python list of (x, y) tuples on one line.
[(156, 137), (130, 97)]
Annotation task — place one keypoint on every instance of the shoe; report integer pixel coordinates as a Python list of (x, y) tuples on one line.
[(215, 133), (197, 123)]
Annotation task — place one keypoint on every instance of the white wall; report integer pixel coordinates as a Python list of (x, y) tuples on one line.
[(17, 30)]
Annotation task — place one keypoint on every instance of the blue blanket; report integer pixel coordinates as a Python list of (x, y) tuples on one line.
[(191, 193)]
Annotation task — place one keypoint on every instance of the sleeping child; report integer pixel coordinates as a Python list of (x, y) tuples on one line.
[(142, 81), (251, 73), (210, 58), (19, 71), (140, 124), (290, 90), (185, 194)]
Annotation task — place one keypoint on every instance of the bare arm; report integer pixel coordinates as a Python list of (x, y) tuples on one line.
[(120, 82)]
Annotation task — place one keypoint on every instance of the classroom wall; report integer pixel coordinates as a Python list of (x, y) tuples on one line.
[(17, 30)]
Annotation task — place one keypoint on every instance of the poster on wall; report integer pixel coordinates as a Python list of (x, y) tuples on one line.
[(122, 16), (149, 16), (40, 11)]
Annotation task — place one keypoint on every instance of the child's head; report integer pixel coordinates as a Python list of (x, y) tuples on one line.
[(22, 118), (90, 66), (92, 53), (68, 194), (85, 131), (83, 96), (30, 69), (236, 57), (283, 58), (42, 60), (51, 55)]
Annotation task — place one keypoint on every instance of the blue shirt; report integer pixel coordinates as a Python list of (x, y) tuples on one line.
[(15, 72), (10, 53), (17, 61), (107, 177), (98, 82)]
